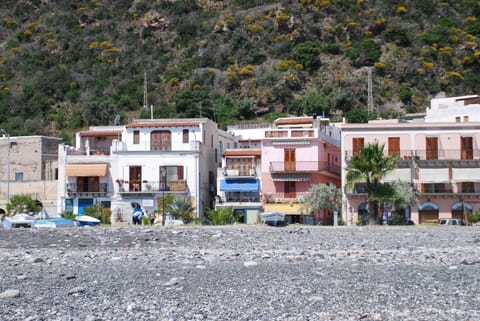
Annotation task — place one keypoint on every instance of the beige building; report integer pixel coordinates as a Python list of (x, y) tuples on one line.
[(29, 166)]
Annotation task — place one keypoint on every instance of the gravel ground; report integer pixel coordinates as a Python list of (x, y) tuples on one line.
[(241, 273)]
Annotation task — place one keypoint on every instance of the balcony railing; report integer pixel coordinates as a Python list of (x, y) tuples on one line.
[(239, 171), (284, 198), (92, 152), (145, 186), (418, 154), (89, 190), (307, 166)]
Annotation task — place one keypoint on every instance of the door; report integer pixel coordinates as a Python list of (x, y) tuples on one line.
[(431, 148), (83, 203), (466, 145), (135, 183), (289, 160), (394, 146), (290, 190), (161, 140), (357, 145)]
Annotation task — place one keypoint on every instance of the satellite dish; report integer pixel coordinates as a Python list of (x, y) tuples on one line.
[(116, 121)]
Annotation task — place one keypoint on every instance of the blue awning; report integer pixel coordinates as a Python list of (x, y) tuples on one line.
[(239, 185)]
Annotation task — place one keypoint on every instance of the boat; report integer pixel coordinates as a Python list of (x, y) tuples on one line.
[(18, 220), (57, 222), (273, 218), (85, 220)]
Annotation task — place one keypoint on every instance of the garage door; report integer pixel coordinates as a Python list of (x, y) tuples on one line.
[(428, 216)]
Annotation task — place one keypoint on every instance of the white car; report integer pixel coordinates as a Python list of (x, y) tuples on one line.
[(451, 222)]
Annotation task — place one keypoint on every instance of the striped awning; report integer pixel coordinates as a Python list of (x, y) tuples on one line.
[(290, 177), (87, 170)]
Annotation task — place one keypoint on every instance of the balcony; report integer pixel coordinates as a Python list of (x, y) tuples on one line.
[(285, 198), (239, 171), (307, 166), (94, 190), (172, 186), (441, 158)]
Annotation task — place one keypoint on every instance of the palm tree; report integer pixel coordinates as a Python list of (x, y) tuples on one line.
[(369, 167), (181, 208)]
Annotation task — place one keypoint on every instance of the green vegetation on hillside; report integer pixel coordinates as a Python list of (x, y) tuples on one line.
[(68, 64)]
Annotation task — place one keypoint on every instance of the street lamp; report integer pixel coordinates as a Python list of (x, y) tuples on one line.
[(5, 133), (163, 176)]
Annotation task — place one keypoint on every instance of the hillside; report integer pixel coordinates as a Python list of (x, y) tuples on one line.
[(68, 64)]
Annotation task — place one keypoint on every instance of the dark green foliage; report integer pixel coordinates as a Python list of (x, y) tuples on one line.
[(314, 103), (91, 55), (307, 54), (405, 95), (99, 212), (222, 216), (358, 115), (22, 204)]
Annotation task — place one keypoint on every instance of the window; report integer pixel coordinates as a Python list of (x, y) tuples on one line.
[(172, 178), (468, 187), (136, 137), (357, 145), (161, 140), (18, 177), (86, 184), (458, 119), (185, 136), (465, 119)]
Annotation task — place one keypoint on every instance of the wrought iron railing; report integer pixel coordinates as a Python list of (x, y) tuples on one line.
[(304, 166)]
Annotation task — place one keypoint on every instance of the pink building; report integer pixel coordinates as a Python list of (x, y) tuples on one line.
[(440, 160), (297, 153)]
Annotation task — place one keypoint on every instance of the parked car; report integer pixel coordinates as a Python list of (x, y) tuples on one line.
[(451, 221)]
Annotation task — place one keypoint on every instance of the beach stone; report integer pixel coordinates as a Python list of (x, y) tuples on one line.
[(10, 293)]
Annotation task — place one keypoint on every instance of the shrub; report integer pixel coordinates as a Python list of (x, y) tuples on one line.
[(222, 216), (307, 54), (473, 217), (22, 204)]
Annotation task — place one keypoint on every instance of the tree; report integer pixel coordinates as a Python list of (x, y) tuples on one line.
[(369, 167), (315, 103), (181, 208), (323, 196), (308, 55), (22, 204)]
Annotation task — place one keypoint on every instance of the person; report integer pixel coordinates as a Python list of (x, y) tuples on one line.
[(152, 218), (137, 216)]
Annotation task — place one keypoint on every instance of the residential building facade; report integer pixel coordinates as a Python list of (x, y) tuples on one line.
[(146, 160), (440, 161), (298, 153), (29, 166), (239, 184)]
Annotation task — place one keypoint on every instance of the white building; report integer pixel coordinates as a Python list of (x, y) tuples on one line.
[(454, 110), (145, 160)]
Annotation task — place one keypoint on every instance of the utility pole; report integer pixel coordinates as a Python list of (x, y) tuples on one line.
[(370, 91), (145, 99)]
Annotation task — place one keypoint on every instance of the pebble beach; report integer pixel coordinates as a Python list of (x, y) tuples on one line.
[(241, 272)]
